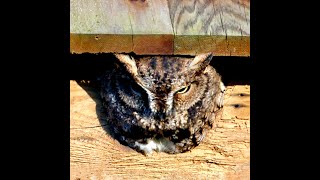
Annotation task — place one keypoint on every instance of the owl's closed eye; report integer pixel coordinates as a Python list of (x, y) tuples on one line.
[(162, 103)]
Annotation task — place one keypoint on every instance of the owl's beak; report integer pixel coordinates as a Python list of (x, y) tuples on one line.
[(159, 108), (158, 105)]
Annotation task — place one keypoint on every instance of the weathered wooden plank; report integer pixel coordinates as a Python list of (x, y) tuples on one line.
[(219, 45), (161, 26), (94, 154), (98, 17), (153, 44), (96, 43), (149, 17), (210, 17), (219, 26), (122, 25)]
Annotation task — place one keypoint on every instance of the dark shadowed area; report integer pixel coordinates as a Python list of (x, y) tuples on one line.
[(234, 70)]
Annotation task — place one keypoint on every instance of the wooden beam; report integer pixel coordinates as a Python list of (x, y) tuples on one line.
[(120, 26), (220, 26), (219, 45), (94, 154), (161, 26), (210, 17)]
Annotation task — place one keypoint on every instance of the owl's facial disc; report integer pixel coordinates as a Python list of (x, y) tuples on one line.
[(168, 82)]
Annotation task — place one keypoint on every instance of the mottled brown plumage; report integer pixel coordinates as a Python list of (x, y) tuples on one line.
[(162, 103)]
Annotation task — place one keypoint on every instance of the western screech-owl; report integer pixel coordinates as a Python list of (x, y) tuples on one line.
[(162, 103)]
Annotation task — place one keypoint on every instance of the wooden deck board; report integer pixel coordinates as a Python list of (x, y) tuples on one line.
[(160, 26), (94, 154)]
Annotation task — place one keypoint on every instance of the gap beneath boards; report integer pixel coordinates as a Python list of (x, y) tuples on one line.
[(88, 67)]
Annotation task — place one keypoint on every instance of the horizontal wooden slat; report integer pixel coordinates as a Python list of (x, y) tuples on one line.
[(140, 44), (161, 26), (95, 43), (219, 45)]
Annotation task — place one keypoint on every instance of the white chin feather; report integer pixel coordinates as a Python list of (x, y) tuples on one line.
[(159, 145)]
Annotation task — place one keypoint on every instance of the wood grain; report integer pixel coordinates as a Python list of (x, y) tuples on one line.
[(121, 25), (94, 154), (161, 26), (96, 43), (218, 26), (219, 45), (210, 17)]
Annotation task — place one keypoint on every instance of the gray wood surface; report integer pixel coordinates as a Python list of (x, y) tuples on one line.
[(161, 26)]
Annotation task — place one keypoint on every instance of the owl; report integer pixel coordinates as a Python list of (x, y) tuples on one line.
[(162, 103)]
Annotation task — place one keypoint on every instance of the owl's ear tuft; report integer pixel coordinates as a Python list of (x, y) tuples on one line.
[(201, 61), (128, 62)]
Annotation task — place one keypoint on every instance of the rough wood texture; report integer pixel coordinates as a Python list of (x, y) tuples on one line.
[(221, 26), (161, 26), (94, 154), (232, 46), (119, 24)]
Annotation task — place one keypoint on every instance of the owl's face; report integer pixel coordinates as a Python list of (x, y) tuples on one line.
[(161, 87)]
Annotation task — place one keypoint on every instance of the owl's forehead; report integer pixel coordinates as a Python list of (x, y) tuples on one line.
[(163, 64), (162, 67), (163, 70)]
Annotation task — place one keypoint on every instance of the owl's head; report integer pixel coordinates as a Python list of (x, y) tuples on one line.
[(165, 85)]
